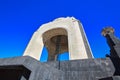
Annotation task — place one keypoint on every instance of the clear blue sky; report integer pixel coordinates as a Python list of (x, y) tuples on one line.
[(20, 18)]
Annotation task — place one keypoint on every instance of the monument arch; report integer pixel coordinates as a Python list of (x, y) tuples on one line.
[(67, 30)]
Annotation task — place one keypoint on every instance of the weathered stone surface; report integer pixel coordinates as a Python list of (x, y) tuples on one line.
[(112, 78), (85, 69), (79, 69), (39, 71)]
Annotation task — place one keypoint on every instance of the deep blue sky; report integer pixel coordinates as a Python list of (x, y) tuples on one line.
[(20, 18)]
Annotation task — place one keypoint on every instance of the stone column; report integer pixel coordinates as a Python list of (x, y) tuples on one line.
[(35, 46), (114, 44)]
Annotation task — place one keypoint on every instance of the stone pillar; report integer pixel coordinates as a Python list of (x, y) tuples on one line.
[(35, 46), (112, 40), (114, 44)]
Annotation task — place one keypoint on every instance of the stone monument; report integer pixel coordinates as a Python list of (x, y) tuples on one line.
[(63, 34), (60, 35)]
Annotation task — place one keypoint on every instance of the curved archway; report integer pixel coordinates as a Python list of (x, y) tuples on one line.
[(56, 42), (47, 34)]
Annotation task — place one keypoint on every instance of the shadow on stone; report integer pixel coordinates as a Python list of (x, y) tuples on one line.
[(14, 73)]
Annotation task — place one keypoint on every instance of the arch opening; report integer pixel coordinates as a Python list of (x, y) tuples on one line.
[(56, 44)]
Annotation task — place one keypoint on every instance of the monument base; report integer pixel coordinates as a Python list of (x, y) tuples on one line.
[(28, 68)]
